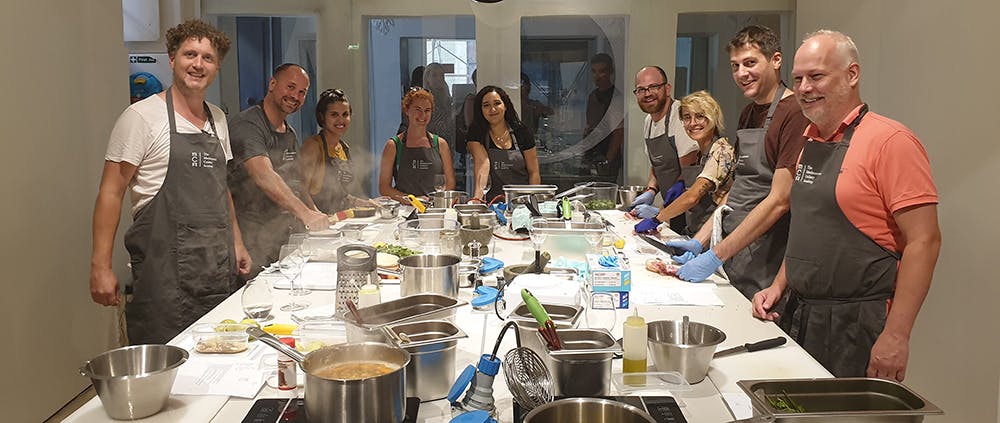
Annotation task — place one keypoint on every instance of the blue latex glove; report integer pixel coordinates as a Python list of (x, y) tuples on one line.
[(700, 268), (610, 262), (684, 258), (673, 192), (646, 198), (691, 245), (645, 211), (647, 225)]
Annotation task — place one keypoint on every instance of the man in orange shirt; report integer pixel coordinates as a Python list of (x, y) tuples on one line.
[(864, 236)]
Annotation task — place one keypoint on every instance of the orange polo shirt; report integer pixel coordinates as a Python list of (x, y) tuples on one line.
[(886, 169)]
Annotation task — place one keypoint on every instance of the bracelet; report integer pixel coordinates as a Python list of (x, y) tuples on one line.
[(654, 189)]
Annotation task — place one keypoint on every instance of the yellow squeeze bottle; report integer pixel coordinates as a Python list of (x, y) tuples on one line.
[(634, 348)]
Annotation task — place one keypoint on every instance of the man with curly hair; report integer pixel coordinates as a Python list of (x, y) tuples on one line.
[(170, 152)]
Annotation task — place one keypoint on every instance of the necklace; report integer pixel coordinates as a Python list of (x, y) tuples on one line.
[(502, 141)]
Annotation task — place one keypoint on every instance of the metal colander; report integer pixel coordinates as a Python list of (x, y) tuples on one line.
[(527, 378)]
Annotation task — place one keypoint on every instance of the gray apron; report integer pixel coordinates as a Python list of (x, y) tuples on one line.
[(666, 164), (839, 279), (266, 225), (698, 214), (754, 267), (417, 166), (181, 243), (337, 177), (507, 167)]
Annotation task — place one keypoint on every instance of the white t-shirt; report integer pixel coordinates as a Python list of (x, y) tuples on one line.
[(685, 145), (141, 137)]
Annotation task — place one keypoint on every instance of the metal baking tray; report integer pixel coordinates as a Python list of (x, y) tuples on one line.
[(424, 306), (419, 334), (843, 400), (585, 344), (563, 316), (564, 227)]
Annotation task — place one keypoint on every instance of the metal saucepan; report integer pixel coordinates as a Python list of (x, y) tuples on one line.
[(436, 273), (375, 399)]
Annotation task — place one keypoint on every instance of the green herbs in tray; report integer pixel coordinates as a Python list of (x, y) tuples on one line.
[(396, 250), (784, 403), (599, 205)]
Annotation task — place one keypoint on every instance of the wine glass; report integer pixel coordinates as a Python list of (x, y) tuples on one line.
[(537, 234), (601, 313), (298, 238), (290, 262), (594, 238), (257, 300), (487, 185)]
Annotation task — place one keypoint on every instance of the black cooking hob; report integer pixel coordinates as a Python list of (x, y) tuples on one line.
[(662, 409), (293, 410)]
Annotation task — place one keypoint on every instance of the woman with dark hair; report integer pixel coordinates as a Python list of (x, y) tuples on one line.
[(503, 150), (326, 164)]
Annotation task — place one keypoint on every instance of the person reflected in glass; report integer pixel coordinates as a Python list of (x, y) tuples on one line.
[(503, 149), (711, 176), (412, 159), (443, 120), (533, 110), (330, 173), (605, 156)]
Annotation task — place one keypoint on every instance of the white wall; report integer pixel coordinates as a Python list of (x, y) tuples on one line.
[(64, 80), (932, 66)]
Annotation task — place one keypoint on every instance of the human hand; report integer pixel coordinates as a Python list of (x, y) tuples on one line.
[(104, 287), (690, 245), (243, 260), (647, 225), (645, 198), (700, 268), (764, 300), (673, 192), (644, 211), (316, 221), (684, 258), (889, 356)]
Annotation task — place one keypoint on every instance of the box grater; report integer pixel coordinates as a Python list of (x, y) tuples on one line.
[(355, 268)]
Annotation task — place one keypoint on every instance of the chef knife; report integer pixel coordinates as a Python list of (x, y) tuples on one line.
[(674, 251), (756, 346)]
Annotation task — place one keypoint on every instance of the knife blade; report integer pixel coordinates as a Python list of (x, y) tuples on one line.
[(674, 251), (756, 346)]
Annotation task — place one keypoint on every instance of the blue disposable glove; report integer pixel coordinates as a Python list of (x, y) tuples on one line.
[(647, 225), (646, 198), (645, 211), (700, 268), (691, 245), (684, 258), (673, 192)]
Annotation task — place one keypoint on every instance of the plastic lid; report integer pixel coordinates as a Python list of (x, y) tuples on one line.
[(486, 295), (489, 265), (475, 416), (463, 380)]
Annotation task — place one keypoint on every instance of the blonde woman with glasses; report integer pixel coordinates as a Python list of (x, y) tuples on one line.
[(710, 177)]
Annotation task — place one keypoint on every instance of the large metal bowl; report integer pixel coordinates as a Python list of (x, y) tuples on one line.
[(587, 410), (134, 382), (691, 358)]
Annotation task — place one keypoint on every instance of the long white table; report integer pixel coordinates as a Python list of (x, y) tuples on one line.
[(702, 404)]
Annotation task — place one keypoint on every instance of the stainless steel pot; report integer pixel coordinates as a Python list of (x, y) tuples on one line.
[(432, 346), (435, 273), (376, 399), (587, 410), (445, 199)]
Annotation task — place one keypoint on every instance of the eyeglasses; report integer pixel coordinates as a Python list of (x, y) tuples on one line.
[(335, 93), (645, 90), (697, 117)]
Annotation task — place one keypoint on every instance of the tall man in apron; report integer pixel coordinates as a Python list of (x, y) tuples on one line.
[(170, 150), (864, 235), (270, 198), (769, 140), (668, 146)]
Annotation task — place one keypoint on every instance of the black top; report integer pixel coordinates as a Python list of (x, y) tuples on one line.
[(525, 139)]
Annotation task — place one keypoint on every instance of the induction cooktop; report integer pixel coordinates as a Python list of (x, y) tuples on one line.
[(293, 410), (662, 409)]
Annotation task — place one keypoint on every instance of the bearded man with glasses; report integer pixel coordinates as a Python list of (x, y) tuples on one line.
[(669, 148)]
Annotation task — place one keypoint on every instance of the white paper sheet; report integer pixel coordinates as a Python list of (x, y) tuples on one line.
[(238, 375), (739, 404), (676, 294)]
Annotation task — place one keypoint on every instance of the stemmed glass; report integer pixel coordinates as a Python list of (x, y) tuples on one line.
[(257, 300), (306, 250), (290, 262), (594, 238), (439, 182)]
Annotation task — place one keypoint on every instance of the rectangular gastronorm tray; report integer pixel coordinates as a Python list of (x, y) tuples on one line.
[(843, 400), (424, 306), (563, 316)]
